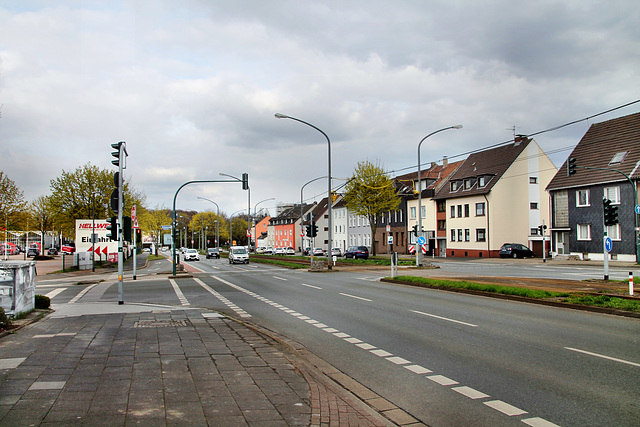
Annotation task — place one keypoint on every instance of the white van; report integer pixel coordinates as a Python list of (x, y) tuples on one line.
[(238, 254)]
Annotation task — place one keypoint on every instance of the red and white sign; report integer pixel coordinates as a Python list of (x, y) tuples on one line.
[(412, 249), (84, 228), (133, 213)]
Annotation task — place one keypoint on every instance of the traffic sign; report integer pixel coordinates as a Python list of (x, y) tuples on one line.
[(608, 245), (638, 209), (133, 212), (390, 240), (421, 240)]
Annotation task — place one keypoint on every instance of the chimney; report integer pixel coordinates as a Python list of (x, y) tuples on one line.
[(433, 165), (445, 161), (519, 138)]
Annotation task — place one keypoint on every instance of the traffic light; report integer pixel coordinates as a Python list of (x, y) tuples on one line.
[(308, 232), (541, 229), (610, 212), (415, 229), (571, 166), (118, 146), (126, 228), (112, 227), (245, 181), (314, 229)]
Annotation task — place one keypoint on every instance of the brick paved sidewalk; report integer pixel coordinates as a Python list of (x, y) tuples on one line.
[(162, 367)]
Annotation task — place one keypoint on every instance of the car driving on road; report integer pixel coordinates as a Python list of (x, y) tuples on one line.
[(238, 254), (213, 253), (191, 255)]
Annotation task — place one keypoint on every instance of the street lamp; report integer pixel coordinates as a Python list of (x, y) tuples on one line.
[(301, 214), (418, 249), (284, 116), (218, 214), (231, 226)]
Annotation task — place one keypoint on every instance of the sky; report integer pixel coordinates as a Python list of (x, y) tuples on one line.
[(192, 87)]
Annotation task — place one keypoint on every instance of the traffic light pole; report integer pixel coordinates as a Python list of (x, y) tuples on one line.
[(122, 153)]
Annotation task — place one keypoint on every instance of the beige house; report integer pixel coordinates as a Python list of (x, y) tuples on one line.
[(497, 196)]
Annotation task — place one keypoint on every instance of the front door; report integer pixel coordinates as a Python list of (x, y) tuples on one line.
[(562, 243)]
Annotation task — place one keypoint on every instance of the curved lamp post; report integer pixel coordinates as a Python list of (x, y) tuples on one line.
[(284, 116), (218, 207), (255, 212), (418, 249)]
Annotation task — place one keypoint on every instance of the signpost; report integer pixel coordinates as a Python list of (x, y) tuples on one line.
[(134, 221)]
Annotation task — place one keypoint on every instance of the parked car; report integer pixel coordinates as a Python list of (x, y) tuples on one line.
[(191, 255), (68, 249), (33, 251), (336, 252), (268, 251), (213, 253), (260, 250), (238, 254), (356, 252), (515, 250), (280, 251), (307, 251), (52, 251), (289, 251), (318, 252)]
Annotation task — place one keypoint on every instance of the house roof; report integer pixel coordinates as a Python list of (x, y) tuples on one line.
[(290, 213), (598, 148), (437, 173), (491, 164)]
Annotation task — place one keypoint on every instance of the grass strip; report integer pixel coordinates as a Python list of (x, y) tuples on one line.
[(605, 301), (278, 262), (498, 289)]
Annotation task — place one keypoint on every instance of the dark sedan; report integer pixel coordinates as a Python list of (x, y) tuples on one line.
[(515, 250), (356, 252)]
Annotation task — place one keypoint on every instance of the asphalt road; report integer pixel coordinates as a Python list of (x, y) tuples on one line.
[(448, 359)]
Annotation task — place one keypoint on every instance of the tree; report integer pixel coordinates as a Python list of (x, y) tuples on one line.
[(74, 195), (370, 193), (42, 214), (12, 203), (206, 221)]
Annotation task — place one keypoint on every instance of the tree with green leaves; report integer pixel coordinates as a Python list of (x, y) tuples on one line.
[(12, 203), (151, 222), (42, 214), (206, 221), (370, 193), (86, 192)]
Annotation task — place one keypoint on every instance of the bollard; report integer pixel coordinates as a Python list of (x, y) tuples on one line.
[(631, 283)]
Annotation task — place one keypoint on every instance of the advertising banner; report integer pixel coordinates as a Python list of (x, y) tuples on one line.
[(103, 246)]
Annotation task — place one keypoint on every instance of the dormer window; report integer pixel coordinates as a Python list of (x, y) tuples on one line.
[(455, 185), (482, 181), (468, 183)]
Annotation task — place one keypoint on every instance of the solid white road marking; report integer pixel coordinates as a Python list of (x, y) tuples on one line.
[(445, 318), (54, 292), (183, 300), (615, 359), (81, 294), (224, 300), (353, 296)]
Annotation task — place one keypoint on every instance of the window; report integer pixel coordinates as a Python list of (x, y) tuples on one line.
[(582, 198), (467, 183), (442, 224), (533, 206), (613, 231), (442, 206), (423, 211), (412, 213), (453, 235), (466, 210), (467, 234), (584, 231), (454, 185), (459, 211), (533, 180), (481, 235), (453, 211), (613, 194), (480, 209), (618, 158), (482, 181), (459, 234), (534, 231)]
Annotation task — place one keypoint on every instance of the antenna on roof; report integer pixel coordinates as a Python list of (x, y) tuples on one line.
[(513, 129)]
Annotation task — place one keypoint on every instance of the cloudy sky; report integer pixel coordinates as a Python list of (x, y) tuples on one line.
[(192, 86)]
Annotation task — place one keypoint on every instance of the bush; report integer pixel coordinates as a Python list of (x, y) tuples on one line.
[(4, 320), (42, 302)]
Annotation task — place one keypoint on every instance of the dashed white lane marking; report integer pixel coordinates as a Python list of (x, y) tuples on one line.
[(504, 407), (224, 300), (602, 356), (54, 292), (11, 363), (353, 296), (445, 318), (311, 286), (183, 300), (468, 392), (539, 422), (280, 278)]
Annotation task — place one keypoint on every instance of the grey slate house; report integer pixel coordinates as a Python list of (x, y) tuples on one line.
[(605, 154)]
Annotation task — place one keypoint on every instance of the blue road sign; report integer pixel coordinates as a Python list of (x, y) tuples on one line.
[(608, 244), (421, 240), (638, 209)]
